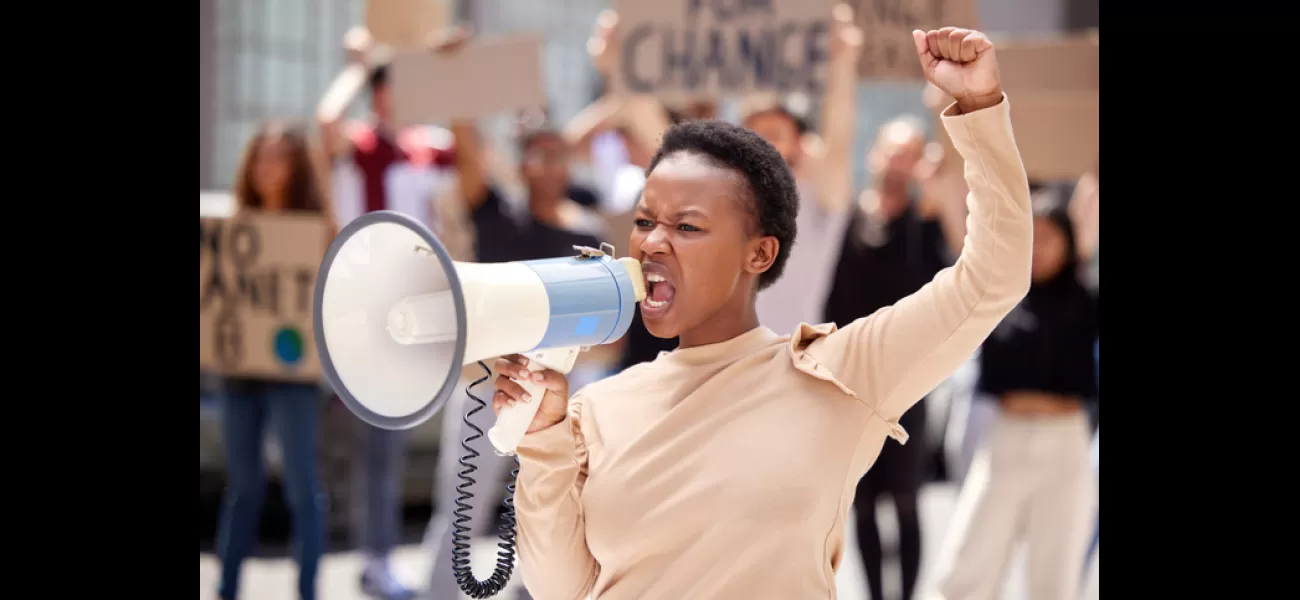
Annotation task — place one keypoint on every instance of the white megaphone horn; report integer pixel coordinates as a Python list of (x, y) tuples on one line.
[(396, 319)]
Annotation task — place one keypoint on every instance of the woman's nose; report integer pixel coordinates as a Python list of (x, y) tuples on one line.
[(655, 242)]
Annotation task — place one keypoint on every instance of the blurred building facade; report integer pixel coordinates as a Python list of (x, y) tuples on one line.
[(262, 59)]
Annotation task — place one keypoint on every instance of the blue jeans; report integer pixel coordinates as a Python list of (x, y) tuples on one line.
[(294, 412), (378, 469)]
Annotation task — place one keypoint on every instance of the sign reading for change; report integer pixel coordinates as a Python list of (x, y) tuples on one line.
[(686, 49), (256, 276), (888, 51)]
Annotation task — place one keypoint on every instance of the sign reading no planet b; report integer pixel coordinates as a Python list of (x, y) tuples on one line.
[(688, 49), (257, 273)]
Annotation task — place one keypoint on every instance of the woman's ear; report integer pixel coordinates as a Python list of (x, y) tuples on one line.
[(762, 253)]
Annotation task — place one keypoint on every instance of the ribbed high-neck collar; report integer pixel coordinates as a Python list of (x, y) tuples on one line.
[(736, 347)]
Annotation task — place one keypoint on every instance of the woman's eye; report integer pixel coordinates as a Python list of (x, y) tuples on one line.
[(644, 223), (686, 227)]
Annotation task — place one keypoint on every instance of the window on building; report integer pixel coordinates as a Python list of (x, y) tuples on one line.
[(273, 61)]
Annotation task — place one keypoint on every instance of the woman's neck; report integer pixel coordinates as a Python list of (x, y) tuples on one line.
[(734, 319)]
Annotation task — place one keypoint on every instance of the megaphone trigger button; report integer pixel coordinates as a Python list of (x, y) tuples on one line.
[(587, 252)]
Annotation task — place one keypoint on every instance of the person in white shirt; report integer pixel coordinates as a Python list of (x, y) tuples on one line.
[(823, 172)]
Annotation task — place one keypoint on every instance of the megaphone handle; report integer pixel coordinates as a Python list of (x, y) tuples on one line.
[(513, 421)]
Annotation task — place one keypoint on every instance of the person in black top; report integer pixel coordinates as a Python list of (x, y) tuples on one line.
[(584, 196), (889, 252), (549, 224), (1033, 479)]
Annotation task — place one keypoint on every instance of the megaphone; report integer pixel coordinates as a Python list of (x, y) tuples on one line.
[(396, 319)]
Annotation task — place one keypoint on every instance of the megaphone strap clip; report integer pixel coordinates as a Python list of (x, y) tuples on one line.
[(606, 249)]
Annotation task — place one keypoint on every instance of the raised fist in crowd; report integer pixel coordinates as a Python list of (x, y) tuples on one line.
[(961, 63)]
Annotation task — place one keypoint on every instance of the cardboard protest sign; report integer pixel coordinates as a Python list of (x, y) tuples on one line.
[(257, 273), (1070, 64), (1055, 98), (404, 24), (484, 78), (1058, 133), (888, 51), (680, 50), (1055, 105)]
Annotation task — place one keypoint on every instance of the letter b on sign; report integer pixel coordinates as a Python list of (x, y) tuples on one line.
[(228, 339)]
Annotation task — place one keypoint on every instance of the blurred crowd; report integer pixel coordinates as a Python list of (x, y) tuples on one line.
[(1017, 427)]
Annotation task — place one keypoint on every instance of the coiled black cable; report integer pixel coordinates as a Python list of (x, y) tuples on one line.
[(460, 535)]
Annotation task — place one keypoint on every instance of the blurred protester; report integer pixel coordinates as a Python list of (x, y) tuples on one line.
[(376, 167), (1032, 481), (584, 195), (976, 412), (547, 223), (888, 252), (822, 168), (275, 175)]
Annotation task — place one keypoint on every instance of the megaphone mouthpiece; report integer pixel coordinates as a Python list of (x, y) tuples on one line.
[(423, 319), (638, 278)]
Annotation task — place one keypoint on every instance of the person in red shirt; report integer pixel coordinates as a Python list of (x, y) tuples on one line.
[(374, 166)]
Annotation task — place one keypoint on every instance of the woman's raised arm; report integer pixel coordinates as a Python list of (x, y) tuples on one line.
[(895, 356)]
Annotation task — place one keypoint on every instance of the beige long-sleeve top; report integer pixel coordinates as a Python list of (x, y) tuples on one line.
[(726, 471)]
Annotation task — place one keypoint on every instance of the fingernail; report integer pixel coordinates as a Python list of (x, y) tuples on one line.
[(523, 361), (538, 377), (511, 404), (527, 396)]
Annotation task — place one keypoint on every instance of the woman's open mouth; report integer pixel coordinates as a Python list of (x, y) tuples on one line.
[(659, 291)]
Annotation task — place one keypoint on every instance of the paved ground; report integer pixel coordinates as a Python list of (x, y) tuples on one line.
[(272, 578)]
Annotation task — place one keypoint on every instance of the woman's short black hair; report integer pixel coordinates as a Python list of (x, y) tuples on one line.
[(773, 197)]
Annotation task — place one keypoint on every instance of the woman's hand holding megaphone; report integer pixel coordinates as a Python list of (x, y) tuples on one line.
[(555, 402)]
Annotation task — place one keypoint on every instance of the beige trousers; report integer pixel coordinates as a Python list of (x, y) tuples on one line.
[(1032, 482)]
